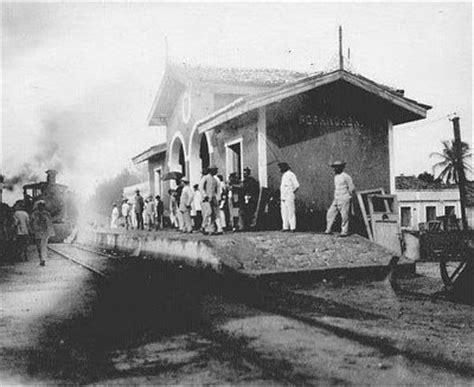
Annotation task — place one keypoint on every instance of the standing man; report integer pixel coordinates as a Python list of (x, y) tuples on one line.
[(185, 203), (114, 216), (139, 206), (343, 189), (126, 214), (196, 212), (149, 212), (159, 212), (42, 228), (289, 186), (209, 187), (22, 222), (249, 200)]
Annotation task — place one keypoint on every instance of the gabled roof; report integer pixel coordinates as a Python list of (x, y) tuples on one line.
[(412, 183), (414, 109), (219, 80), (235, 76), (149, 153)]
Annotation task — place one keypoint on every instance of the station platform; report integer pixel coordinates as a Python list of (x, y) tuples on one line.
[(266, 255)]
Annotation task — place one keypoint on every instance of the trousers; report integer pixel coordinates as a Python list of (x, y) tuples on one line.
[(187, 223), (288, 216), (139, 220), (339, 207), (42, 246)]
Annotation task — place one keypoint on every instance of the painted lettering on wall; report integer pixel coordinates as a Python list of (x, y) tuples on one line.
[(326, 121)]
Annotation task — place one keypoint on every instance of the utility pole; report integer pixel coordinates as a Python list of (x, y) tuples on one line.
[(341, 57), (460, 170)]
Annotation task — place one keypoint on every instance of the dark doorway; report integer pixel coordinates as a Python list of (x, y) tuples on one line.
[(204, 152)]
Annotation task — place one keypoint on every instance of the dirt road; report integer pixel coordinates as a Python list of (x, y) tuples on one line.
[(60, 323)]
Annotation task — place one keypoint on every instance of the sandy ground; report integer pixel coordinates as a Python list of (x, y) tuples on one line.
[(55, 331), (62, 324)]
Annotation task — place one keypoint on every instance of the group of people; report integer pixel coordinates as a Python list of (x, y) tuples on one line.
[(142, 213), (18, 228), (343, 192), (215, 205)]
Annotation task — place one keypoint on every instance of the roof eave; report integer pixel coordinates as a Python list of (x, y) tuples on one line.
[(418, 111), (149, 153)]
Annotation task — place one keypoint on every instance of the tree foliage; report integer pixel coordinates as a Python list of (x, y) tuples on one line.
[(448, 159), (110, 191), (426, 177)]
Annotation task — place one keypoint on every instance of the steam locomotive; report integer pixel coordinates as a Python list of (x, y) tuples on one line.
[(58, 200)]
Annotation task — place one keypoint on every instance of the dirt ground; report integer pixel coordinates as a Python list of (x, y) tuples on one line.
[(61, 324)]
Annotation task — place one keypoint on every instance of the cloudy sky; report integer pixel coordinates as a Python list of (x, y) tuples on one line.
[(78, 79)]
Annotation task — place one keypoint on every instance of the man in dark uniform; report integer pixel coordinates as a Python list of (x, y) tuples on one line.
[(249, 199), (139, 206)]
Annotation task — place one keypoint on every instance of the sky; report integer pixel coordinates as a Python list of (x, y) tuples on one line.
[(79, 79)]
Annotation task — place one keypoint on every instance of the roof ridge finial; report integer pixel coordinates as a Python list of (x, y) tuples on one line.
[(341, 56)]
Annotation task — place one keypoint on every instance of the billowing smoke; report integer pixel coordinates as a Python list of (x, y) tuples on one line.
[(26, 175), (58, 142)]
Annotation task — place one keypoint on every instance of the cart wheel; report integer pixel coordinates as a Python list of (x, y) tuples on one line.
[(451, 269)]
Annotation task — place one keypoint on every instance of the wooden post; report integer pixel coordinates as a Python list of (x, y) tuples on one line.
[(262, 146), (391, 156), (341, 57), (460, 171)]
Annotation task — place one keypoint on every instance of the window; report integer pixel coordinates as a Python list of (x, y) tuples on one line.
[(234, 162), (405, 216), (430, 213), (449, 211)]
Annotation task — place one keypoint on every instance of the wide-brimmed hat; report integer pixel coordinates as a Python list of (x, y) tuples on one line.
[(283, 165), (213, 168), (338, 163)]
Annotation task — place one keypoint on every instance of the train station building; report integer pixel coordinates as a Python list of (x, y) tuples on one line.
[(237, 118)]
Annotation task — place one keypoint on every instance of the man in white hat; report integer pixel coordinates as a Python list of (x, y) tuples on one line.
[(343, 190), (288, 187)]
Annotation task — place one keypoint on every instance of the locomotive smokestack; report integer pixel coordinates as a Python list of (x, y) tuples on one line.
[(51, 176)]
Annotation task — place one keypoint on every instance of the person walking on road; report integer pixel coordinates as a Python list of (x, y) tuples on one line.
[(139, 206), (289, 186), (343, 190), (22, 222), (42, 228)]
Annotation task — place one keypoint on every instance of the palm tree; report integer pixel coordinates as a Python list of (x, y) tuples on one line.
[(449, 158)]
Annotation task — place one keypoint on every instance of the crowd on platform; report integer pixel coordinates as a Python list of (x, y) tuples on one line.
[(216, 205)]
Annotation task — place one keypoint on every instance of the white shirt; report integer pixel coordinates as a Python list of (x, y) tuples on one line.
[(22, 220), (289, 184), (125, 209), (343, 186), (197, 199)]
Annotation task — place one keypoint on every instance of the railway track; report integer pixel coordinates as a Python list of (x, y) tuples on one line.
[(285, 303), (96, 262)]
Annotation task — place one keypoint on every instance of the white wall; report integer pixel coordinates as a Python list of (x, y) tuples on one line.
[(419, 200)]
